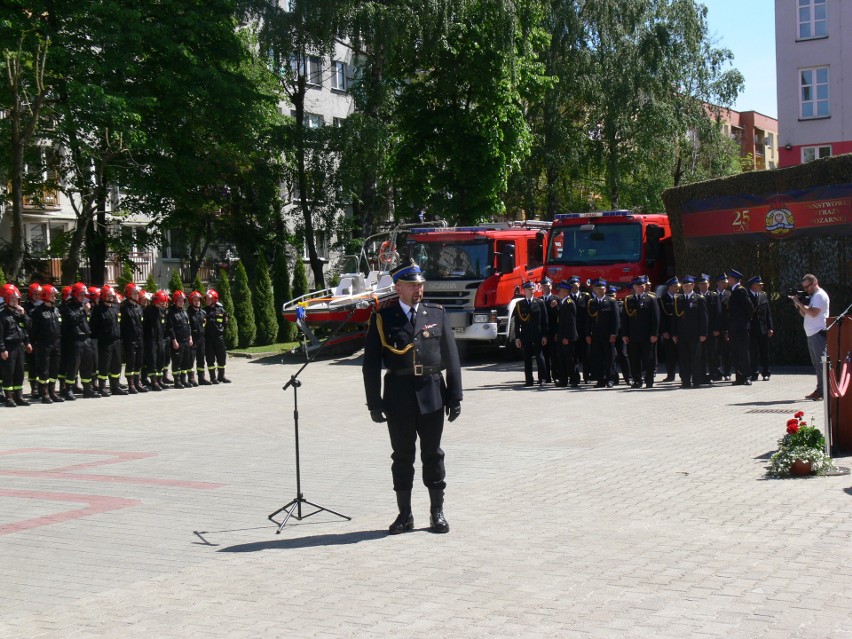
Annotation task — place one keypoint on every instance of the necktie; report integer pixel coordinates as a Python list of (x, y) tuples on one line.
[(411, 315)]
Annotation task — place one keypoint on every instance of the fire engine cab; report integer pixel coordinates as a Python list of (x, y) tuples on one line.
[(614, 245), (475, 273)]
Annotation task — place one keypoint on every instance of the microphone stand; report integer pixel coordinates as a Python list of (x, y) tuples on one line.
[(293, 508)]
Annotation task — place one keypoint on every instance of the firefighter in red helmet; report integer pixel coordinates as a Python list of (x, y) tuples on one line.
[(32, 302), (45, 336), (132, 337), (198, 325), (14, 344), (214, 337), (179, 337), (81, 358), (106, 325)]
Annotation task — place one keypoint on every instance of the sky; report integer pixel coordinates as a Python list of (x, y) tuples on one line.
[(747, 28)]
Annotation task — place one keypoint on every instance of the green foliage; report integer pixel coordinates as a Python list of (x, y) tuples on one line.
[(175, 281), (151, 282), (243, 307), (125, 277), (300, 278), (232, 327), (197, 284), (2, 276), (801, 443), (283, 293), (264, 304)]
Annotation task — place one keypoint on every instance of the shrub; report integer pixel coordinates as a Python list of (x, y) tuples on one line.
[(224, 290), (175, 281), (283, 293), (264, 304)]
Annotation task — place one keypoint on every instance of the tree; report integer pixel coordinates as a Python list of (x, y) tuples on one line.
[(283, 293), (197, 284), (232, 327), (175, 281), (264, 304), (151, 283), (125, 277), (300, 278), (243, 307)]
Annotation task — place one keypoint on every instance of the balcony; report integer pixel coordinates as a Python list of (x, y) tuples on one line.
[(51, 268)]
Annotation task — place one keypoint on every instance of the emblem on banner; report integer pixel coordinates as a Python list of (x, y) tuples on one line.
[(779, 222)]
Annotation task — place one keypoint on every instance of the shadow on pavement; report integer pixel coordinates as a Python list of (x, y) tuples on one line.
[(341, 539)]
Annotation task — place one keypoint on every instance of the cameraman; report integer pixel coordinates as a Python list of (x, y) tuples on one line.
[(815, 314)]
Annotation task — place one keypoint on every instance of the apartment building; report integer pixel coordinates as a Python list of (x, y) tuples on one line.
[(813, 65), (757, 135)]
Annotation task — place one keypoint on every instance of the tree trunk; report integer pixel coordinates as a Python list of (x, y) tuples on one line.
[(97, 252)]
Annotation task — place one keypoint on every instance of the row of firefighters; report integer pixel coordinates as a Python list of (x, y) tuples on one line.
[(702, 331), (91, 331)]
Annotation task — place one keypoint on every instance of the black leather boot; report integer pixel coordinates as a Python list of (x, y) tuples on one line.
[(201, 380), (10, 400), (19, 398), (45, 395), (51, 390), (437, 521), (102, 388), (89, 391), (139, 387), (405, 520), (35, 389), (222, 378), (213, 379)]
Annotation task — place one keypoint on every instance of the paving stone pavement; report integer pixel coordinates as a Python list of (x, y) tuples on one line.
[(574, 513)]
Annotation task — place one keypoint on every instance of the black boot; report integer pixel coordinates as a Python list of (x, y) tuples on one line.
[(51, 390), (213, 379), (139, 387), (405, 520), (178, 380), (102, 387), (436, 511), (35, 389), (164, 378), (131, 386), (19, 398), (222, 378), (201, 380), (45, 395), (155, 384), (89, 391), (10, 400), (115, 389)]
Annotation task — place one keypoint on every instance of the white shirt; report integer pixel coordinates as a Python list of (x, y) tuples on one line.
[(814, 325), (407, 309)]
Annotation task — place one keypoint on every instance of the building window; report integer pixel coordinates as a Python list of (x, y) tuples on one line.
[(321, 243), (814, 93), (174, 245), (38, 238), (338, 122), (812, 19), (811, 153), (314, 71), (314, 121), (338, 77), (770, 140)]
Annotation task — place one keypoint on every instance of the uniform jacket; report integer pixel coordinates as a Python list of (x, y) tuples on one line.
[(177, 324), (153, 323), (581, 300), (131, 321), (530, 320), (691, 319), (724, 307), (75, 321), (46, 326), (551, 304), (197, 323), (641, 317), (761, 319), (217, 319), (106, 322), (393, 343), (740, 310), (666, 312), (714, 310), (13, 329), (603, 317), (567, 323)]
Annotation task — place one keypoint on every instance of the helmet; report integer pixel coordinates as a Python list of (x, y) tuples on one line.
[(8, 290), (195, 294), (129, 288), (160, 297), (143, 295), (213, 294), (66, 292), (34, 290), (78, 288), (106, 289), (94, 293), (47, 293), (178, 295)]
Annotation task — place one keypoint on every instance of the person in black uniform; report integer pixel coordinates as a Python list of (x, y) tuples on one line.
[(622, 363), (154, 330), (531, 330), (603, 325), (414, 342), (714, 309), (179, 334), (132, 337), (722, 352), (75, 325), (666, 321), (33, 301), (46, 334), (214, 338), (566, 337), (106, 326), (689, 332), (14, 345), (641, 328), (581, 348), (760, 330), (550, 350), (740, 310), (198, 325)]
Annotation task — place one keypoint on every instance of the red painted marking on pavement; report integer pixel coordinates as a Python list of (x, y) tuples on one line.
[(95, 504)]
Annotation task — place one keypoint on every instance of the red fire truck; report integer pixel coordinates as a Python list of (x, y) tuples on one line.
[(614, 245), (476, 272)]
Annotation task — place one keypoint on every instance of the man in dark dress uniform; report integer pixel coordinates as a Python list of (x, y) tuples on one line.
[(760, 330), (550, 350), (740, 310), (623, 363), (603, 324), (714, 309), (666, 320), (721, 365), (414, 342), (531, 330), (689, 332), (641, 328), (566, 337), (581, 348)]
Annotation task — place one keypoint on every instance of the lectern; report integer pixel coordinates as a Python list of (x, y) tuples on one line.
[(839, 409)]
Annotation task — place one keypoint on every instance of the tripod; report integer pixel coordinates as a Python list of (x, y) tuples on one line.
[(293, 508)]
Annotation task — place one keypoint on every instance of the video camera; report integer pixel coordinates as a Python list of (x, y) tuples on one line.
[(803, 297)]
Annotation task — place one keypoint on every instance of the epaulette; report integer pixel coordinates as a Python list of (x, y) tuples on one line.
[(650, 294), (432, 305)]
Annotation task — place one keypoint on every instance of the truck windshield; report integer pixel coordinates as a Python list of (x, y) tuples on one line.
[(453, 260), (601, 244)]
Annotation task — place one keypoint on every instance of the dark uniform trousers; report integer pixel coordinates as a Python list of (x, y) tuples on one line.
[(567, 331), (690, 325), (81, 360), (603, 323), (669, 348), (550, 351), (415, 392), (761, 324), (530, 326), (739, 319), (109, 358), (641, 321)]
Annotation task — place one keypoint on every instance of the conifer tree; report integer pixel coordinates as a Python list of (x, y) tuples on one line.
[(264, 304), (2, 276), (283, 293), (243, 308), (197, 284), (124, 278), (151, 283), (300, 278), (224, 290), (175, 281)]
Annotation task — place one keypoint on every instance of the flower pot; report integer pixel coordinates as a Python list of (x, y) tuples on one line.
[(800, 468)]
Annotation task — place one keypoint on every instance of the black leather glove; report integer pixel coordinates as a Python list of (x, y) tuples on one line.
[(453, 412), (377, 416)]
